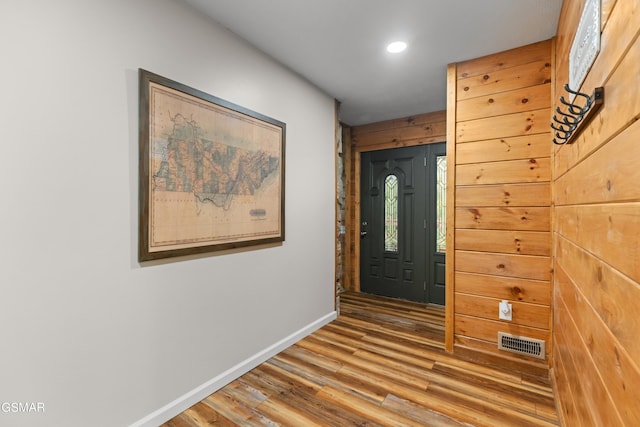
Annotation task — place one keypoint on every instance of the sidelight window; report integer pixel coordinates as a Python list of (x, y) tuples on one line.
[(441, 203)]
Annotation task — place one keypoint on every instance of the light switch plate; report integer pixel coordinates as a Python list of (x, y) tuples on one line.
[(504, 310)]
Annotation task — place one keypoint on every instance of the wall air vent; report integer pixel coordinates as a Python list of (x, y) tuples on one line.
[(521, 345)]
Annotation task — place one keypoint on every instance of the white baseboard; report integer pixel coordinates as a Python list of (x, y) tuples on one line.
[(199, 393)]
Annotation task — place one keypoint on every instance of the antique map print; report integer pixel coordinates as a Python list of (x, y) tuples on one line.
[(214, 173)]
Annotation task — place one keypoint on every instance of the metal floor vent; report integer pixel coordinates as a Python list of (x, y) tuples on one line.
[(521, 345)]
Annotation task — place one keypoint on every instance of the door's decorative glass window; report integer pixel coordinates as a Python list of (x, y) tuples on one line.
[(441, 203), (391, 213)]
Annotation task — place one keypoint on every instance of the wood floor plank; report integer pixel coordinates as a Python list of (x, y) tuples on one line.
[(270, 385), (416, 360), (330, 414), (492, 392), (376, 367), (236, 411), (365, 390), (287, 377), (370, 410), (313, 358), (494, 415), (414, 335), (344, 330), (433, 318), (420, 413), (419, 376), (488, 383), (426, 399), (414, 394), (380, 363), (407, 358), (279, 411), (203, 415)]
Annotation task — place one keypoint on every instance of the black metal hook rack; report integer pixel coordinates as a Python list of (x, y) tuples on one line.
[(567, 125)]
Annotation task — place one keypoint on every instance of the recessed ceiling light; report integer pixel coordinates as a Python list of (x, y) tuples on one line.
[(396, 47)]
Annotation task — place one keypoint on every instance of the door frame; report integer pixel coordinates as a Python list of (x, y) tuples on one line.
[(356, 206), (419, 129), (424, 248), (357, 153)]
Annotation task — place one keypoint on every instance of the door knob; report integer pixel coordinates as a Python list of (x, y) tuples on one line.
[(363, 234)]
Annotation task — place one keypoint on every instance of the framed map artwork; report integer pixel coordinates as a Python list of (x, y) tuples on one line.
[(211, 172)]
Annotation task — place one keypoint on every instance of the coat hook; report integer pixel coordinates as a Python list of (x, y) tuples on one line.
[(576, 117), (568, 89), (568, 117), (573, 109)]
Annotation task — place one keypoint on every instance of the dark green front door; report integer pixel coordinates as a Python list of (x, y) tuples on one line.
[(402, 240)]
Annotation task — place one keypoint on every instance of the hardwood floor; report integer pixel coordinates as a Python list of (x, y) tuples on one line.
[(381, 363)]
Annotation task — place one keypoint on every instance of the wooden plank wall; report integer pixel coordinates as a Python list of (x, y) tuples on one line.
[(596, 364), (420, 129), (502, 234)]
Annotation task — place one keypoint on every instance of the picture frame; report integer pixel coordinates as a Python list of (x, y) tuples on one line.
[(211, 173)]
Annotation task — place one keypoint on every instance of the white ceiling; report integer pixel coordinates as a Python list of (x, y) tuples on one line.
[(339, 45)]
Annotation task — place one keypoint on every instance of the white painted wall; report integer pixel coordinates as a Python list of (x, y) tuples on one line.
[(85, 329)]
